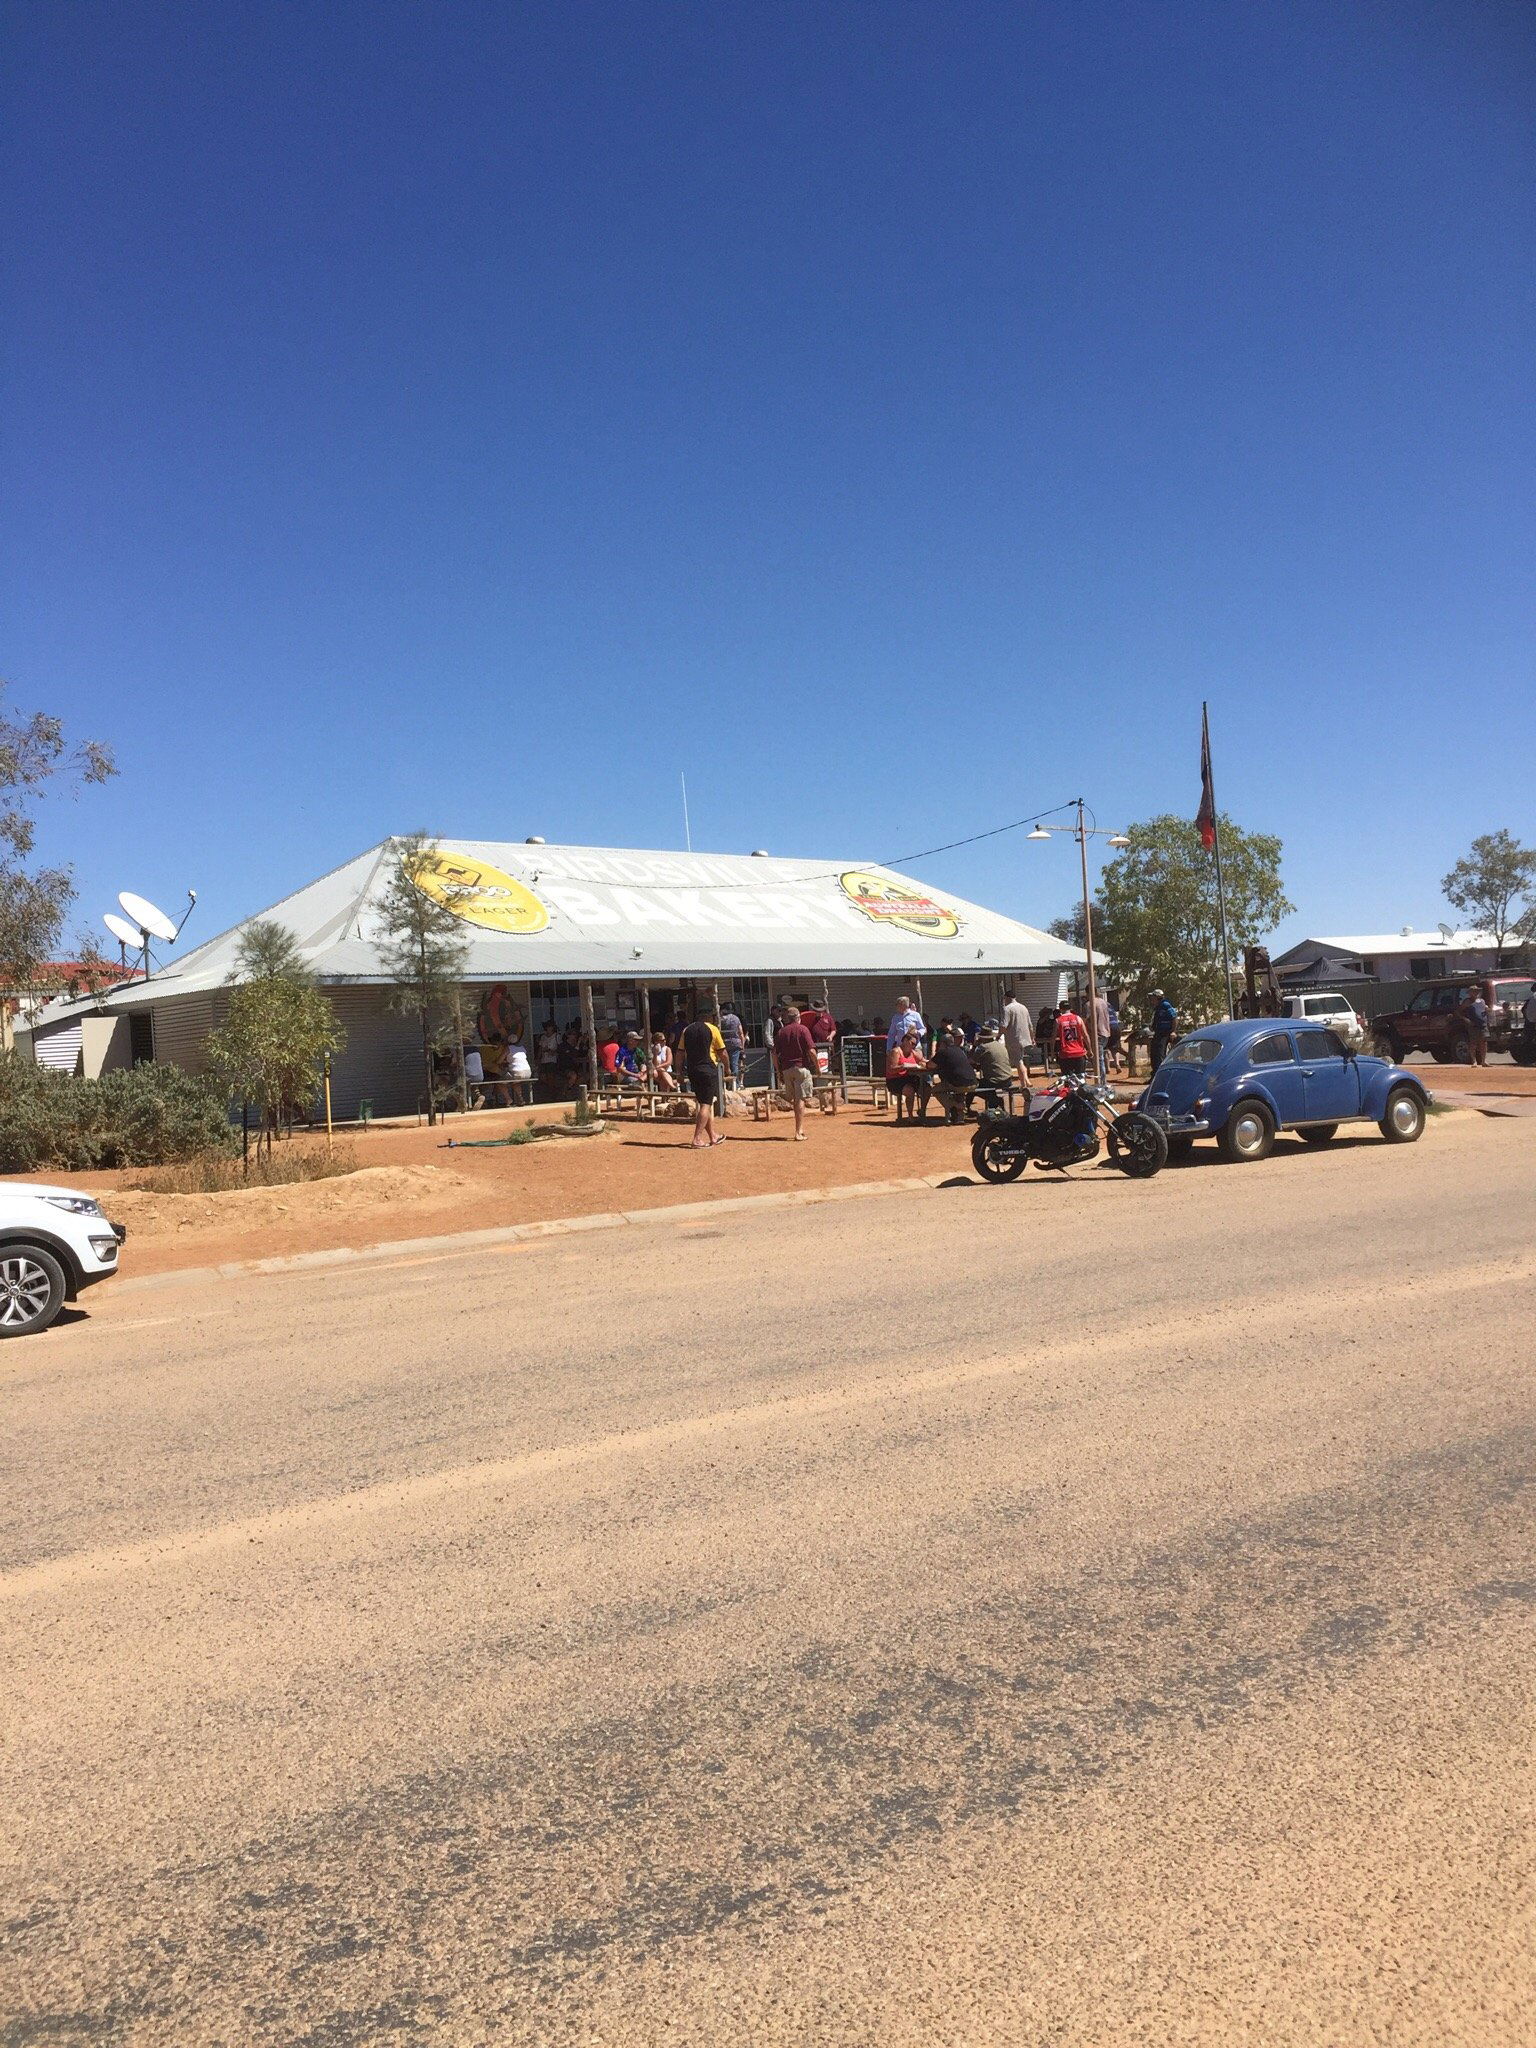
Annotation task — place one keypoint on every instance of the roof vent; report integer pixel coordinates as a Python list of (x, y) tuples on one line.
[(759, 853), (533, 839), (1407, 931)]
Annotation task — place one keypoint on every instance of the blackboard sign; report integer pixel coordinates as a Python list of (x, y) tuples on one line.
[(863, 1058)]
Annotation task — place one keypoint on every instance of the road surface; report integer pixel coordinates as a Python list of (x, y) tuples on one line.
[(1086, 1611)]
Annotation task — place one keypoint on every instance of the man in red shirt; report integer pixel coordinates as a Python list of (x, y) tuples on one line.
[(794, 1054), (1071, 1040)]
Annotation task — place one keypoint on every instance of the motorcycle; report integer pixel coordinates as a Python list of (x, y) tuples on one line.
[(1061, 1127)]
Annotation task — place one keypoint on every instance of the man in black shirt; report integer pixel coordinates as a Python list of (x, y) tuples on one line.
[(954, 1076)]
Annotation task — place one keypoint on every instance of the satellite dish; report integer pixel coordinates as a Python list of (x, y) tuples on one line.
[(145, 916), (1447, 932), (125, 933)]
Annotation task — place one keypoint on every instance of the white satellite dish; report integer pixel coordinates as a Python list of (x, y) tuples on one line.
[(1447, 932), (125, 933), (145, 916)]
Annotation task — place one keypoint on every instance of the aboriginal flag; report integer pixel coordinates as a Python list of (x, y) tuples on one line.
[(1205, 818)]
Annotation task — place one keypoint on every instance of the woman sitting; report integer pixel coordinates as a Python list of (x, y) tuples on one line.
[(908, 1078), (661, 1064)]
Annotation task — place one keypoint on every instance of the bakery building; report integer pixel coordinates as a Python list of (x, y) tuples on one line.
[(567, 932)]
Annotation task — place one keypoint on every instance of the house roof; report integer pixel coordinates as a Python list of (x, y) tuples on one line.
[(1394, 942), (533, 912)]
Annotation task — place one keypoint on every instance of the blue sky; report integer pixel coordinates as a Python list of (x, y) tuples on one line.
[(898, 417)]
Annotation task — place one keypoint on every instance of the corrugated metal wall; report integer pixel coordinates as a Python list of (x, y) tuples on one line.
[(381, 1061), (182, 1025), (59, 1049)]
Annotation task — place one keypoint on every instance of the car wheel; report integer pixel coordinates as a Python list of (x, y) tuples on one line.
[(1247, 1134), (1461, 1051), (994, 1159), (1318, 1134), (1441, 1055), (1138, 1145), (1404, 1120), (1388, 1046), (32, 1289)]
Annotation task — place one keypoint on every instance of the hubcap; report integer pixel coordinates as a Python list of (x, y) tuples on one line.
[(1405, 1113), (24, 1289), (1250, 1133)]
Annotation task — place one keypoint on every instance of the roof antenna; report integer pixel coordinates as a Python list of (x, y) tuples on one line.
[(687, 833)]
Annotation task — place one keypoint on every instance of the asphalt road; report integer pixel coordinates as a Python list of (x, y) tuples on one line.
[(1077, 1612)]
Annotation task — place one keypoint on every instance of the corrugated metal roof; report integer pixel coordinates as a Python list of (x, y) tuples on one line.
[(561, 913)]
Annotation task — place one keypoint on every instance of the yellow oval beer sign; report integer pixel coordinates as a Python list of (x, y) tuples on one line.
[(892, 903), (477, 892)]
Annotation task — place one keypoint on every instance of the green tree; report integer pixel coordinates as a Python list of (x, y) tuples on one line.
[(1495, 886), (424, 952), (1155, 915), (271, 1049), (34, 901)]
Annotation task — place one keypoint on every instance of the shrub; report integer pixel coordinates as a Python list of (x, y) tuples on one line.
[(146, 1117), (215, 1173)]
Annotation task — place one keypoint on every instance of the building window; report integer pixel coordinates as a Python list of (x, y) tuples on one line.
[(141, 1038), (1422, 968)]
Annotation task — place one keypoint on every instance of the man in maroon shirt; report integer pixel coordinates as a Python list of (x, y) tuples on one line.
[(794, 1054)]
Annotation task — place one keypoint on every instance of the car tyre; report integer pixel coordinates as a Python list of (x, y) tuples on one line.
[(1440, 1054), (1461, 1051), (32, 1289), (1388, 1046), (1248, 1134), (1404, 1118), (1318, 1134)]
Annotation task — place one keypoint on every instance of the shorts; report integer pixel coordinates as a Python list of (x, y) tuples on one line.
[(704, 1081), (796, 1083)]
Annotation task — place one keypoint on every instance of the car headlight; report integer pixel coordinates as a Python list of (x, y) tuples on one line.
[(77, 1205)]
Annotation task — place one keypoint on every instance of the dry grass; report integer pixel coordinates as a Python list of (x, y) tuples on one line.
[(215, 1173)]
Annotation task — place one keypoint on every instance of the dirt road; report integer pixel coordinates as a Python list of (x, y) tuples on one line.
[(1078, 1612)]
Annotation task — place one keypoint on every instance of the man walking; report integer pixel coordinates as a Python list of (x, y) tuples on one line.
[(734, 1036), (1102, 1029), (703, 1051), (1018, 1035), (794, 1055), (1475, 1010), (1071, 1040), (1164, 1022)]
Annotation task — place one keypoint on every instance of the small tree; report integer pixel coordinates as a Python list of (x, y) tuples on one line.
[(34, 901), (272, 1047), (424, 952), (1495, 886), (1156, 915)]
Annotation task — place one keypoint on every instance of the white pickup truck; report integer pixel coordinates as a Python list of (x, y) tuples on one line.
[(1335, 1011)]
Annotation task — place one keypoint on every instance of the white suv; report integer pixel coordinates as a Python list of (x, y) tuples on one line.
[(1335, 1011), (53, 1242)]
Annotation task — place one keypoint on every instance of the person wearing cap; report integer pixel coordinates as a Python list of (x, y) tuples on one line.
[(1164, 1022), (954, 1078), (989, 1057)]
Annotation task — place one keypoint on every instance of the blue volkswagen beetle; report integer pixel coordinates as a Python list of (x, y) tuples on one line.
[(1241, 1082)]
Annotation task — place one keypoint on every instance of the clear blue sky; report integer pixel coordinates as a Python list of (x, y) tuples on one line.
[(463, 417)]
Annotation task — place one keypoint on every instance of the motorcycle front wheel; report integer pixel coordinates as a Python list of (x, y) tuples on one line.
[(994, 1159), (1137, 1145)]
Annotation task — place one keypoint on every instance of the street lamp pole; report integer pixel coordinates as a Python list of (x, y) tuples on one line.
[(1092, 1019)]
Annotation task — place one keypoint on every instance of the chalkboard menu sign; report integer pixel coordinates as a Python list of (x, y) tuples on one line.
[(863, 1058)]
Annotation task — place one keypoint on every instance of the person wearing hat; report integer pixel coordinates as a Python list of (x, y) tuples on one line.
[(994, 1069), (1164, 1022)]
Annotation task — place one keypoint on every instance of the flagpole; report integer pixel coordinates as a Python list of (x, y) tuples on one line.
[(1221, 887)]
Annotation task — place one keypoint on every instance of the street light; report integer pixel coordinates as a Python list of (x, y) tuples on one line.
[(1082, 832)]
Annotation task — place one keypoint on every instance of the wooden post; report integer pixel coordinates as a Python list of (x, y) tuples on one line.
[(458, 1025), (328, 1102), (645, 1032), (589, 1027), (714, 989)]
